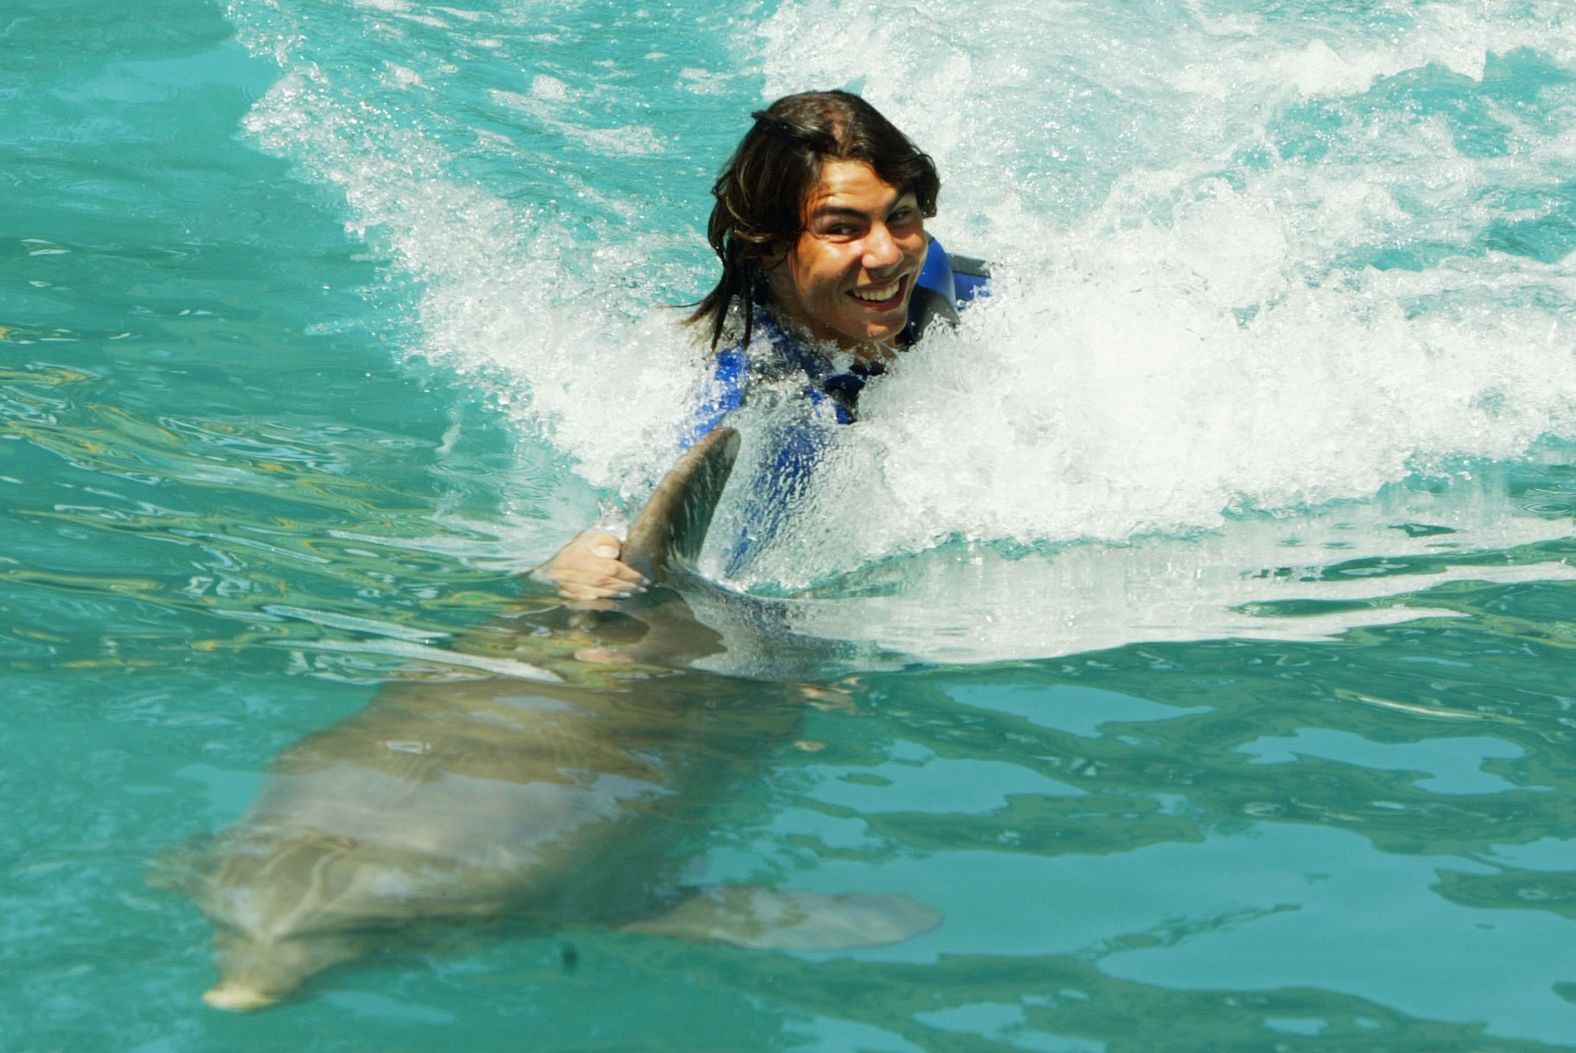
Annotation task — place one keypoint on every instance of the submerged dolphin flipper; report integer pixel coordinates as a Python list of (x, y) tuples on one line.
[(792, 919)]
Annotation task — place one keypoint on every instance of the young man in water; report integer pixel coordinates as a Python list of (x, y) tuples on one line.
[(820, 226)]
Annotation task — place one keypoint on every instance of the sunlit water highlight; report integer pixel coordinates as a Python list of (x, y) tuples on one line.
[(1197, 618)]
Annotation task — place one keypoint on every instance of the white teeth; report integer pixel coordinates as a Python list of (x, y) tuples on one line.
[(877, 295)]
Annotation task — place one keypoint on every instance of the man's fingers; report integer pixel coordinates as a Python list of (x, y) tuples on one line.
[(613, 577), (625, 574), (590, 605), (588, 570), (599, 543), (604, 550)]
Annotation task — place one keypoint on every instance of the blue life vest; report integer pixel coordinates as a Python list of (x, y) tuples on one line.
[(945, 284)]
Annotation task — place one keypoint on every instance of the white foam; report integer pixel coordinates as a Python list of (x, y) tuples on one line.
[(547, 87)]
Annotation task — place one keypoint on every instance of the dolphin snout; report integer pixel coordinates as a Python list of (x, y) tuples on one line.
[(238, 997), (255, 974)]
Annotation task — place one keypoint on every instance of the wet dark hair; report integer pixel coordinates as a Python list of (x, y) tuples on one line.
[(762, 190)]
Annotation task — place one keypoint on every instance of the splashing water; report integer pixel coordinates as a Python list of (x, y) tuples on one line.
[(1248, 263)]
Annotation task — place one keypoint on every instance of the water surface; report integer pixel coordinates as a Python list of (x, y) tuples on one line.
[(1199, 616)]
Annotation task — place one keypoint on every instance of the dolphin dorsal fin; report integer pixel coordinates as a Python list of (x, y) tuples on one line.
[(673, 522)]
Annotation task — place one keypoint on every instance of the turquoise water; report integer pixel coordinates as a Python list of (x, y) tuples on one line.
[(1200, 616)]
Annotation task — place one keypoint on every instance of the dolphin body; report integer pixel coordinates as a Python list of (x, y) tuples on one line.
[(551, 794)]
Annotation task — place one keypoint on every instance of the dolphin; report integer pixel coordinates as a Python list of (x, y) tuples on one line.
[(549, 791)]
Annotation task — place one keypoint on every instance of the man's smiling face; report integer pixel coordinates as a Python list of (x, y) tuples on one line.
[(849, 275)]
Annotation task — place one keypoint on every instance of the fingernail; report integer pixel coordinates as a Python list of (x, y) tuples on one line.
[(605, 551)]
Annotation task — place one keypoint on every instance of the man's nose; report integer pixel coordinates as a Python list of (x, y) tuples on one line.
[(881, 249)]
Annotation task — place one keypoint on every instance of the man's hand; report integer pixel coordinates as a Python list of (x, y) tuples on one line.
[(587, 571)]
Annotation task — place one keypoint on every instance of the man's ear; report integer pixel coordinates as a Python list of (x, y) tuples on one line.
[(775, 255)]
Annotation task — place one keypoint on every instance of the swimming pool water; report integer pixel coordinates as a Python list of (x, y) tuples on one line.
[(1200, 615)]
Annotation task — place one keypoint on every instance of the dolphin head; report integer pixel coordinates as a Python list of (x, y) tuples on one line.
[(278, 901)]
